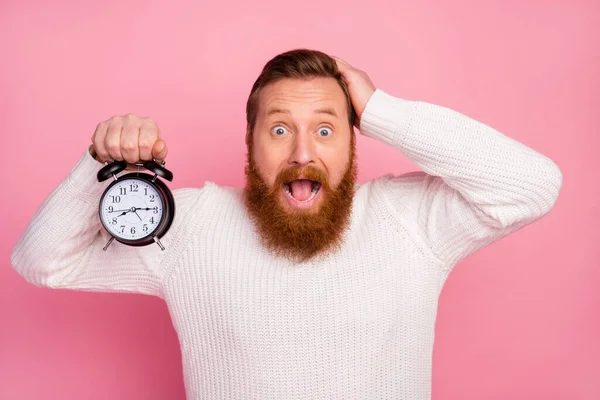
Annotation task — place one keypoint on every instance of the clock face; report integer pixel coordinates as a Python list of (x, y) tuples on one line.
[(131, 209)]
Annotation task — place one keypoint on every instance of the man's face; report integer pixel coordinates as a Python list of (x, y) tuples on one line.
[(301, 170)]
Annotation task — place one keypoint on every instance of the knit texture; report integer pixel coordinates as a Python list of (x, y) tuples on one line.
[(357, 324)]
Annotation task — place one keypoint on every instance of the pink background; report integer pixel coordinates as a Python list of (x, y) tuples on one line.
[(518, 320)]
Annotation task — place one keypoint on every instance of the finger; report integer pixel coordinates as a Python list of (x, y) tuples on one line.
[(149, 134), (342, 65), (129, 140), (112, 141), (159, 150), (98, 141), (341, 60)]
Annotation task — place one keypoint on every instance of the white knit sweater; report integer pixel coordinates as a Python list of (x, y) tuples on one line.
[(358, 324)]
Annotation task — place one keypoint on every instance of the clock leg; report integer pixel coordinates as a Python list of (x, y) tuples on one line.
[(108, 244), (158, 242)]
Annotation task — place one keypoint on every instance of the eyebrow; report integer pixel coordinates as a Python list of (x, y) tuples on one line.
[(329, 111)]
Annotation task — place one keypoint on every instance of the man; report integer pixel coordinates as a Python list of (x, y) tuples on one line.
[(304, 285)]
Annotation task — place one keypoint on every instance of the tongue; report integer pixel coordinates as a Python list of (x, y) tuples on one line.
[(301, 189)]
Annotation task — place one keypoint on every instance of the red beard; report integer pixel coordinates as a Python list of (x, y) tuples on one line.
[(300, 235)]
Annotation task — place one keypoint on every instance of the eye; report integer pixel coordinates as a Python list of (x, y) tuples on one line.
[(324, 132), (279, 130)]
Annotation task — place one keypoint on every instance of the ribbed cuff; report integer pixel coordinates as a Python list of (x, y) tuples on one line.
[(386, 118), (83, 176)]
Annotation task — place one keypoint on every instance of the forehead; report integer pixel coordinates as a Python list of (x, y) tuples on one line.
[(303, 95)]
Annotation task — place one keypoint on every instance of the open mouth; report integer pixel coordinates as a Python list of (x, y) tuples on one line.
[(302, 190)]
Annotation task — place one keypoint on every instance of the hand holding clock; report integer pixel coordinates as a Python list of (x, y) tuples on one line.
[(130, 142), (128, 137)]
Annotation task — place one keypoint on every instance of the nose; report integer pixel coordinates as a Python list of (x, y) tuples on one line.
[(303, 151)]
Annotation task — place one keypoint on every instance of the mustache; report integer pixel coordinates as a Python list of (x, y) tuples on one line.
[(293, 173)]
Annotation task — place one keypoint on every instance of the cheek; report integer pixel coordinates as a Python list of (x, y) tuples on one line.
[(268, 163), (336, 164), (337, 174)]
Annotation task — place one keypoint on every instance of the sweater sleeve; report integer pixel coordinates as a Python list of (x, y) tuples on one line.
[(62, 245), (476, 184)]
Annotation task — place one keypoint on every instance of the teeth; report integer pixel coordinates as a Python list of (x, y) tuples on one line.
[(315, 186)]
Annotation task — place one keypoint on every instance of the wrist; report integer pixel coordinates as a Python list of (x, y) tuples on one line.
[(83, 177), (93, 153), (386, 117)]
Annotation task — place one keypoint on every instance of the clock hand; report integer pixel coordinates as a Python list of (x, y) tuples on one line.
[(126, 211), (134, 209)]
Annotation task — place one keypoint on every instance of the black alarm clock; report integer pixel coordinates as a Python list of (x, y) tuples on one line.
[(137, 208)]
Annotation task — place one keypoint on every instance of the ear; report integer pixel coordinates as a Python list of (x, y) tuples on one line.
[(247, 134)]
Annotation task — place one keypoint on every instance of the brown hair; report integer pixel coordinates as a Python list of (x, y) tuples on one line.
[(298, 64)]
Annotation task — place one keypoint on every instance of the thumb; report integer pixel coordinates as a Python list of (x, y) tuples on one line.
[(159, 150)]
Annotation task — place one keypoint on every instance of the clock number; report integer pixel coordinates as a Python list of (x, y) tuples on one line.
[(151, 198), (114, 220), (116, 199), (122, 228), (110, 209), (132, 230), (145, 228), (122, 191), (155, 209), (145, 191), (133, 187), (152, 220)]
